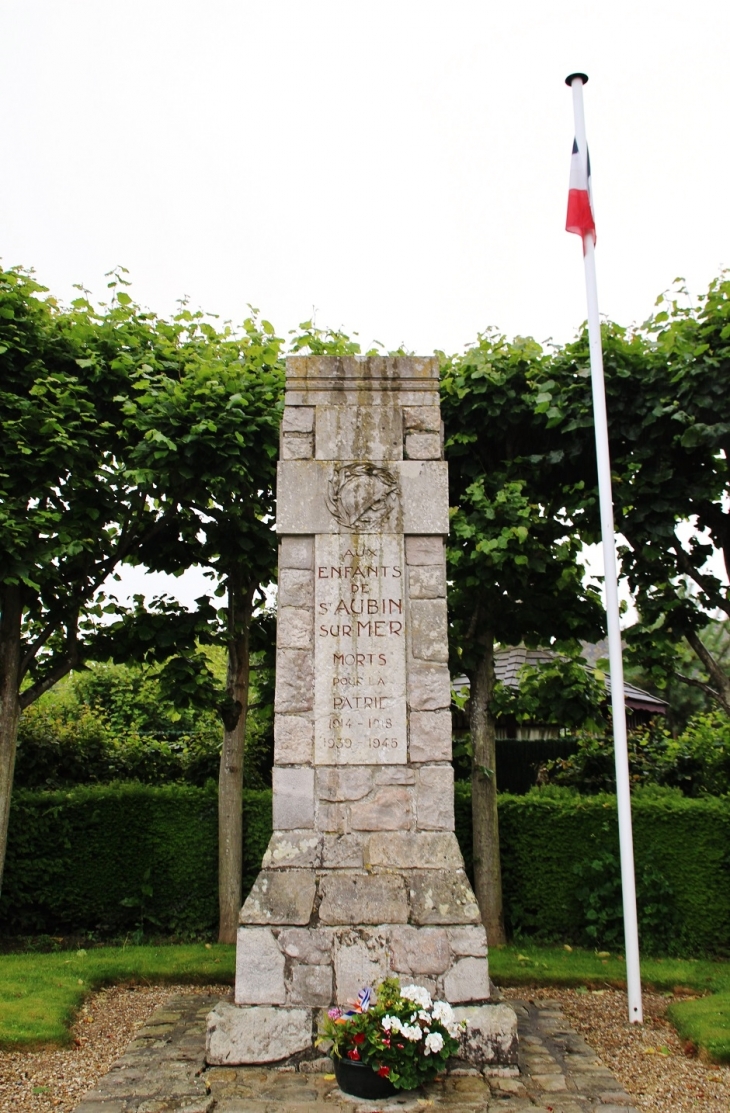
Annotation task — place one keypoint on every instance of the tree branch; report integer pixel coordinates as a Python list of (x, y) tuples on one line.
[(721, 681), (686, 566)]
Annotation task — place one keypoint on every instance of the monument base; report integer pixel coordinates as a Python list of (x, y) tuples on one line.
[(261, 1034)]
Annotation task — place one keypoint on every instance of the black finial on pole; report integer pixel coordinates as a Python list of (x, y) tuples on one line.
[(571, 76)]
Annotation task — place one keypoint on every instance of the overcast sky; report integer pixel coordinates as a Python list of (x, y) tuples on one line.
[(399, 167)]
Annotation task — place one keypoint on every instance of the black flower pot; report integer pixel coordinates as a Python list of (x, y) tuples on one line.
[(360, 1080)]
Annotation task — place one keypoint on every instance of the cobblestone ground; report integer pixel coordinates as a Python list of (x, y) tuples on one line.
[(164, 1070)]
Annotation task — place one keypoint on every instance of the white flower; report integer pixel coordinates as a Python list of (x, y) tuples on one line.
[(442, 1011), (424, 1015), (391, 1023), (434, 1042), (418, 994), (412, 1032)]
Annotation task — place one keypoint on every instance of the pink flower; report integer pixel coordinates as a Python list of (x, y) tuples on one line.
[(334, 1013)]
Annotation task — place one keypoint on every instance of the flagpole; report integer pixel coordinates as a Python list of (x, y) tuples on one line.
[(618, 709)]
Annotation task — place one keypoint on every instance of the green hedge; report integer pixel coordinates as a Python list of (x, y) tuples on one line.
[(113, 858)]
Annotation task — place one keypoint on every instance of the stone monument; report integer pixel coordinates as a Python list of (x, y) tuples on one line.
[(363, 876)]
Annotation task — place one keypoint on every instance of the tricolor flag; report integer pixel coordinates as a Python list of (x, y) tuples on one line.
[(580, 208)]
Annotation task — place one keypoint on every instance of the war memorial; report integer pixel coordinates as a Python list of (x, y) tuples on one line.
[(363, 876)]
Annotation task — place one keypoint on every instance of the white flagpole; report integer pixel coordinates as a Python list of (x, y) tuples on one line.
[(618, 709)]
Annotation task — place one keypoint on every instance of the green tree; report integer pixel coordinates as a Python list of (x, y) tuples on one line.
[(513, 553)]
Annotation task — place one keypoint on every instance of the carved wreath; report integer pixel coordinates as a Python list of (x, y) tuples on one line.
[(361, 496)]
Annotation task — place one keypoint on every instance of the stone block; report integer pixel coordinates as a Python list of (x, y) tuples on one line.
[(422, 419), (342, 852), (256, 1035), (259, 968), (360, 432), (360, 898), (361, 958), (424, 550), (297, 446), (280, 897), (294, 681), (293, 739), (298, 419), (311, 946), (429, 736), (419, 950), (429, 687), (468, 940), (427, 581), (389, 808), (296, 552), (423, 446), (467, 980), (435, 798), (490, 1039), (286, 849), (414, 850), (395, 775), (294, 628), (429, 641), (335, 784), (293, 798), (311, 985), (332, 818), (442, 897), (296, 587)]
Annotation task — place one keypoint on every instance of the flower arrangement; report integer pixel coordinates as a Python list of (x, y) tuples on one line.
[(399, 1032)]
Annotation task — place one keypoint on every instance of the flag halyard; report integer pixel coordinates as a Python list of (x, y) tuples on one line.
[(580, 203)]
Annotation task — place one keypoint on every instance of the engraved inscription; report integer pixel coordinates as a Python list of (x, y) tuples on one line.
[(360, 650)]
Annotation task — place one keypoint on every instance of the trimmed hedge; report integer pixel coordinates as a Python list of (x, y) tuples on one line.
[(118, 858)]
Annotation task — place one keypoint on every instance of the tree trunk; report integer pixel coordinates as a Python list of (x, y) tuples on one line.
[(230, 781), (485, 823), (9, 707)]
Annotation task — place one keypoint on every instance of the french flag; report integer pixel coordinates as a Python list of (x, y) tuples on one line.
[(580, 208)]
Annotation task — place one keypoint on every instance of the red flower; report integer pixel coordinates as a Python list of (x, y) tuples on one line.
[(384, 1072), (400, 1046), (354, 1054), (359, 1037)]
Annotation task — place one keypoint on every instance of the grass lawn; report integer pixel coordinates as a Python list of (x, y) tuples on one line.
[(40, 993), (705, 1020)]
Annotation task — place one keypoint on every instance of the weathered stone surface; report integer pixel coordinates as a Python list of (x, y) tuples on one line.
[(357, 898), (422, 419), (312, 946), (440, 897), (419, 950), (429, 687), (491, 1035), (280, 897), (428, 630), (342, 852), (395, 775), (360, 432), (293, 739), (360, 650), (435, 798), (467, 980), (298, 419), (361, 958), (311, 985), (294, 628), (259, 968), (468, 940), (293, 798), (427, 581), (414, 850), (297, 446), (423, 446), (429, 736), (256, 1035), (296, 587), (332, 818), (294, 681), (302, 489), (389, 808), (424, 550), (343, 784), (302, 849), (296, 552)]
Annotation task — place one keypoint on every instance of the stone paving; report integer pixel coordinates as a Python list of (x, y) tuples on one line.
[(164, 1070)]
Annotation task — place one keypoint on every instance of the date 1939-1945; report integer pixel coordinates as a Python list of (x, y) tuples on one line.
[(334, 743)]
